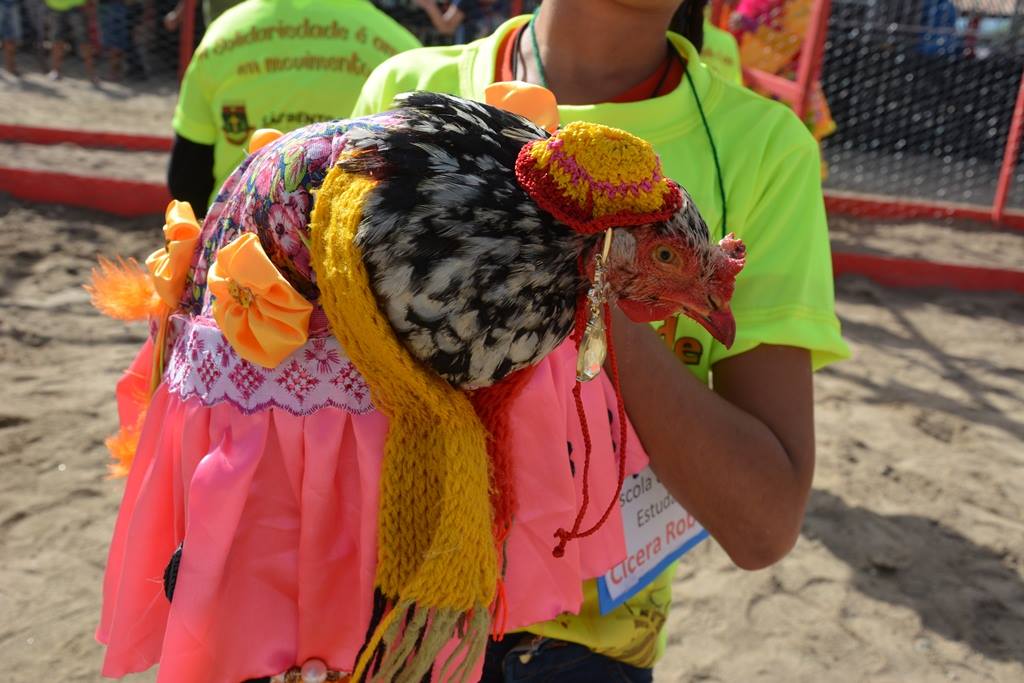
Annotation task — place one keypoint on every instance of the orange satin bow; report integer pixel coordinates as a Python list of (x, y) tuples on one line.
[(530, 101), (168, 270), (262, 316), (169, 266)]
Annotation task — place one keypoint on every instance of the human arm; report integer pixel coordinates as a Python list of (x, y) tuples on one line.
[(190, 173), (173, 18), (445, 22), (741, 457)]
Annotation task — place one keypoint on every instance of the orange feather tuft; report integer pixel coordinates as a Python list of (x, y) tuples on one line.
[(122, 290), (122, 446)]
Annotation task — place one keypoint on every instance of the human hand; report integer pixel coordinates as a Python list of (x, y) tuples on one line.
[(172, 20)]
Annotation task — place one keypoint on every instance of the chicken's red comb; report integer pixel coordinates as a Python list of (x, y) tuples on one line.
[(736, 252)]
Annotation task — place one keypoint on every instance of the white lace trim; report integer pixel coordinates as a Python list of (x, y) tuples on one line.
[(202, 364)]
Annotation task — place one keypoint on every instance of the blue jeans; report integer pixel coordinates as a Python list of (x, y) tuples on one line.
[(539, 660), (10, 22)]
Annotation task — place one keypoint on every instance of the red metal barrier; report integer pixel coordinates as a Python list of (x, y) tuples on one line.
[(796, 93), (811, 55), (186, 37), (116, 196), (900, 272), (874, 206), (134, 199), (83, 138), (717, 6), (1009, 156)]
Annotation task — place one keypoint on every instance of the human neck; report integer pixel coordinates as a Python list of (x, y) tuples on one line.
[(593, 50)]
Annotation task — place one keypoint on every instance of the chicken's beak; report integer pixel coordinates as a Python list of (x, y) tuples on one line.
[(722, 326), (718, 322)]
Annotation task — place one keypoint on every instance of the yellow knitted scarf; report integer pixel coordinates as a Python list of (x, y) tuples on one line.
[(436, 558)]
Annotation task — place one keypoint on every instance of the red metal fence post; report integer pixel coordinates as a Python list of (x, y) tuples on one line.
[(798, 93), (716, 12), (811, 55), (1009, 156), (186, 36)]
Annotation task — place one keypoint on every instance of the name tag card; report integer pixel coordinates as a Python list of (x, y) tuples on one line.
[(658, 532)]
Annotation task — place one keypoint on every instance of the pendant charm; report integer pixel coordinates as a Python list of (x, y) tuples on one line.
[(594, 344), (593, 350)]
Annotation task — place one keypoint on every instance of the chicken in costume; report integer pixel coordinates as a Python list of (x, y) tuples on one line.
[(327, 472)]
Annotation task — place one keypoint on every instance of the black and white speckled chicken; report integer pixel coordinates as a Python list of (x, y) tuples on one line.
[(475, 277), (449, 245)]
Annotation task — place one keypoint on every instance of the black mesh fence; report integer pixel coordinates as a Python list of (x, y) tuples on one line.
[(110, 39), (922, 93)]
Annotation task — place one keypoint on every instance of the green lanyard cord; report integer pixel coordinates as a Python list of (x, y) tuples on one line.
[(539, 63), (536, 49), (714, 149)]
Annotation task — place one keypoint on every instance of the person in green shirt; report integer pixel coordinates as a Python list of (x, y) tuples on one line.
[(271, 64), (729, 432)]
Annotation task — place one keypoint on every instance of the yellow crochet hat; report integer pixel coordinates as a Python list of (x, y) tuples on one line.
[(593, 177)]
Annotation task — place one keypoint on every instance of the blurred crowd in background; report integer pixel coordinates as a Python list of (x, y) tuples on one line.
[(117, 39), (139, 39)]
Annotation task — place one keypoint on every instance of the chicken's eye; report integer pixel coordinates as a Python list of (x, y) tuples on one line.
[(663, 254)]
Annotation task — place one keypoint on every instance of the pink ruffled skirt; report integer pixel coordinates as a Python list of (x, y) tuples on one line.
[(269, 479)]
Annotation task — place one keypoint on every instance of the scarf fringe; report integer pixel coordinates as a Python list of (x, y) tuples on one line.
[(408, 641)]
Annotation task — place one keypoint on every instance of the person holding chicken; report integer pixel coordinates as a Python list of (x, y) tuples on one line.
[(348, 349), (729, 431)]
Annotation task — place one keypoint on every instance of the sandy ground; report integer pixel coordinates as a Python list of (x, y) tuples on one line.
[(911, 565), (34, 100), (958, 242)]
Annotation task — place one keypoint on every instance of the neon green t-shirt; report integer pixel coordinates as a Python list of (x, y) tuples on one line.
[(280, 64), (784, 295), (721, 53), (64, 5)]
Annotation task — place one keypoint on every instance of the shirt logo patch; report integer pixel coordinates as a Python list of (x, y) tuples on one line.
[(687, 349), (236, 123)]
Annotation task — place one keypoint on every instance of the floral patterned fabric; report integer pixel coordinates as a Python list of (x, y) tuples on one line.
[(271, 194)]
